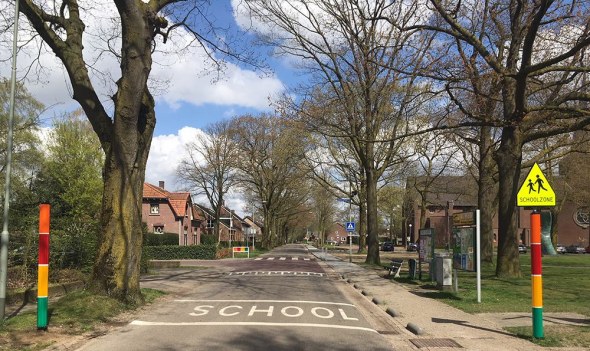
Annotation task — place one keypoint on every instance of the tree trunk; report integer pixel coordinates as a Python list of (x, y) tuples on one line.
[(372, 222), (486, 197), (116, 270), (266, 229), (509, 158), (362, 225), (117, 266)]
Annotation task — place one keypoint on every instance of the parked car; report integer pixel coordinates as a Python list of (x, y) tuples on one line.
[(560, 249), (387, 246), (412, 247), (577, 249), (522, 248)]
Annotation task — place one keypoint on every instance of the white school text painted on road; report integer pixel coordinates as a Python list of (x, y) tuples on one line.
[(312, 325), (276, 313)]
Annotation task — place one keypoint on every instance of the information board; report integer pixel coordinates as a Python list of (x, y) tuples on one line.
[(464, 248)]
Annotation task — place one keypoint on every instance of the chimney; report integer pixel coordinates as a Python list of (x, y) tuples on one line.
[(161, 184)]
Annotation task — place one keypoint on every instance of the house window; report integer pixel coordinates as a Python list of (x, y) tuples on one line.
[(210, 223), (158, 229), (154, 209), (195, 238), (232, 235), (185, 239)]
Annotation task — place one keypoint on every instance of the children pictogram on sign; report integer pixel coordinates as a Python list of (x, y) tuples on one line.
[(540, 182)]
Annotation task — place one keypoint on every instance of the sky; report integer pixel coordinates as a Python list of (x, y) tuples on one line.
[(187, 100)]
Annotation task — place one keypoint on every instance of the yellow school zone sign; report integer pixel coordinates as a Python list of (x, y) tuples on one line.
[(535, 190)]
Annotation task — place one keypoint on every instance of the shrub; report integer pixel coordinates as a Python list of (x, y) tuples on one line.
[(208, 239), (152, 239), (171, 252)]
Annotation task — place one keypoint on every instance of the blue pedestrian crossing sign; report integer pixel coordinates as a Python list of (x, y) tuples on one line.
[(350, 226)]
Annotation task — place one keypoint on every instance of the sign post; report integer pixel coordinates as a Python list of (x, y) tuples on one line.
[(350, 226), (43, 268), (536, 192)]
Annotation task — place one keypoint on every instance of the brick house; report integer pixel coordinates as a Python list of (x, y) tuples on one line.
[(253, 229), (231, 225), (336, 234), (170, 212), (447, 195)]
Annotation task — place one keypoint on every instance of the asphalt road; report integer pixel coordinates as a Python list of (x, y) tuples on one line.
[(282, 301)]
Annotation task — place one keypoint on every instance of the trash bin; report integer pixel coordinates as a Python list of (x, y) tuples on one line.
[(412, 267), (443, 271)]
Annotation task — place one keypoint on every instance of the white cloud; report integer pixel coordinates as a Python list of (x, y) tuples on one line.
[(177, 73), (165, 155)]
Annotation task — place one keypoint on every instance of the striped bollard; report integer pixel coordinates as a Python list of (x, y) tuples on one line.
[(43, 268), (537, 275)]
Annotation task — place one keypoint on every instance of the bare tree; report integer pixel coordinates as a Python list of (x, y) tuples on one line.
[(270, 165), (537, 49), (391, 199), (356, 60), (125, 132), (210, 168), (434, 158)]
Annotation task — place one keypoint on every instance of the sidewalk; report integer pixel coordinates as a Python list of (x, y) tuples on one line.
[(429, 324)]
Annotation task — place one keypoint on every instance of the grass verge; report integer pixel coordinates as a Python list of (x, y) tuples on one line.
[(73, 314), (566, 288)]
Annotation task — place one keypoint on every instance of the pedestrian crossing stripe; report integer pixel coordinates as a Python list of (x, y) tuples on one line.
[(535, 190), (280, 259), (289, 273)]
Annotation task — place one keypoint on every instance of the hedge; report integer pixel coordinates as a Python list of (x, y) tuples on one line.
[(151, 239), (208, 239), (175, 252)]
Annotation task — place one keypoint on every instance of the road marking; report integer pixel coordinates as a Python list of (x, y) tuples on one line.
[(307, 274), (280, 258), (274, 301), (312, 325)]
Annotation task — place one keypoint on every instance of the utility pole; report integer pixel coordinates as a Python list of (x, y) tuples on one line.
[(4, 236)]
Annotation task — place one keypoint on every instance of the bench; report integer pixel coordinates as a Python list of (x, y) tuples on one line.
[(394, 267)]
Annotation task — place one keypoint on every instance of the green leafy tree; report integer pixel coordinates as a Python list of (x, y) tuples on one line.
[(71, 182)]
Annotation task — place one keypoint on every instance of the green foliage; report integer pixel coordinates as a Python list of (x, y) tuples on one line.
[(195, 252), (74, 245), (208, 239), (70, 180), (151, 239), (26, 159)]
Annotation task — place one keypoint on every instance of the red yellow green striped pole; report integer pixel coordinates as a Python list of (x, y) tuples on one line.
[(537, 275), (43, 269)]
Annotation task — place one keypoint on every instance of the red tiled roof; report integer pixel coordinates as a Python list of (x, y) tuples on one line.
[(153, 192), (178, 201)]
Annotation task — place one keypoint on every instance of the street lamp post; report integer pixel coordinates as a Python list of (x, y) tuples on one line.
[(410, 233), (5, 234)]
